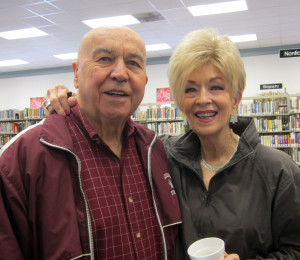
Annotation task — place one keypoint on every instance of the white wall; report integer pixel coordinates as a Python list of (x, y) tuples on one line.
[(16, 92), (271, 69)]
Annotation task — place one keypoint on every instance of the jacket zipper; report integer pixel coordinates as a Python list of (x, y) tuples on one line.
[(83, 194), (153, 198)]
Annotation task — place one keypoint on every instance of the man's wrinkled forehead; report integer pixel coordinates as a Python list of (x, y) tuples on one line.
[(114, 52), (113, 40)]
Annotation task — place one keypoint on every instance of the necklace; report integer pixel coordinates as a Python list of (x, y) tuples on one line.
[(213, 168)]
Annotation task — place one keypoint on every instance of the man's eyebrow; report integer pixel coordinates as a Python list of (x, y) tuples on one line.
[(101, 50), (137, 56), (112, 51)]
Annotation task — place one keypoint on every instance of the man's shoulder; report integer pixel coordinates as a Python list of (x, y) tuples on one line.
[(142, 130), (49, 128), (26, 136)]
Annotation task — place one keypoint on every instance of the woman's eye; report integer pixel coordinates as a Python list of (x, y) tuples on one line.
[(217, 88), (189, 90)]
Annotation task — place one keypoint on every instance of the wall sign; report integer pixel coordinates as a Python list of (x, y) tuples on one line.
[(289, 53), (36, 102), (271, 86), (163, 95)]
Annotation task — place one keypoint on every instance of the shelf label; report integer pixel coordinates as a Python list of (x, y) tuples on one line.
[(289, 53), (271, 86)]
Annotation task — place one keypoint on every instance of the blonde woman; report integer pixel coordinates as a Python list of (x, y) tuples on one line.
[(229, 185)]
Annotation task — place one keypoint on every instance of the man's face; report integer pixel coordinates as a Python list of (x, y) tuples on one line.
[(110, 75)]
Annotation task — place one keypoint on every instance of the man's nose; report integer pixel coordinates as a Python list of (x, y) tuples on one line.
[(119, 71)]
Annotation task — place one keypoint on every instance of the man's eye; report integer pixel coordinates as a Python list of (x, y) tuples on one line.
[(104, 59), (134, 63)]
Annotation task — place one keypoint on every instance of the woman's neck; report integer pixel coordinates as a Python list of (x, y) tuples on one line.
[(216, 150)]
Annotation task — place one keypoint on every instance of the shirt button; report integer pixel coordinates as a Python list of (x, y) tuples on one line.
[(130, 199), (138, 234)]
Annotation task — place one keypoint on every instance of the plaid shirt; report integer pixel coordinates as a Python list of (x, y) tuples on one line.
[(118, 194)]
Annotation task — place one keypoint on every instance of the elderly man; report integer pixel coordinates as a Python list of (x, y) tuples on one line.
[(92, 185)]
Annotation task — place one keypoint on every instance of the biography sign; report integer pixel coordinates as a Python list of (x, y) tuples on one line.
[(271, 86)]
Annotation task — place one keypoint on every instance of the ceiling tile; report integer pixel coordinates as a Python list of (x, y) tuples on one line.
[(275, 22), (162, 5)]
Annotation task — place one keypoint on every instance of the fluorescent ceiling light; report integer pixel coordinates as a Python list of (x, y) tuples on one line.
[(157, 47), (22, 33), (4, 63), (67, 56), (243, 38), (111, 21), (219, 8)]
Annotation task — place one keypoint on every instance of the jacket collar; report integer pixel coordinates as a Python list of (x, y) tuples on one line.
[(56, 132), (186, 149)]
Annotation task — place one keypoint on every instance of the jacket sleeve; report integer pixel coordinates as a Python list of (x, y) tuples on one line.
[(9, 246), (286, 215)]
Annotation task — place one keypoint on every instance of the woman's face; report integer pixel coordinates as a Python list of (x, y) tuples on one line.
[(207, 101)]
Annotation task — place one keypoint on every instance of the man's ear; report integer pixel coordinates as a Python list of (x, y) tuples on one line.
[(75, 70)]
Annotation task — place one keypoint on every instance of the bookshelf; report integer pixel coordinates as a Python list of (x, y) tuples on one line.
[(163, 118), (277, 119), (13, 121)]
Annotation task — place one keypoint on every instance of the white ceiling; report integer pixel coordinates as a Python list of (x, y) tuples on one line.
[(275, 22)]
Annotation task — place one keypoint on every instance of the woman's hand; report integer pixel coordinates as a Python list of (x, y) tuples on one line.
[(231, 257), (60, 100)]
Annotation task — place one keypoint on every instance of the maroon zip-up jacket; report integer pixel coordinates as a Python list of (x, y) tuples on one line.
[(43, 209)]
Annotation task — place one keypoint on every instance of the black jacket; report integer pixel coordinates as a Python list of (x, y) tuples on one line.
[(253, 203)]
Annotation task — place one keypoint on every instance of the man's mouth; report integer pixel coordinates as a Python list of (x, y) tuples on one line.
[(114, 93), (206, 115)]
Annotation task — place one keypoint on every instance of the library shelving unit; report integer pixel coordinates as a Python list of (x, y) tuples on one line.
[(13, 121), (163, 118), (277, 119)]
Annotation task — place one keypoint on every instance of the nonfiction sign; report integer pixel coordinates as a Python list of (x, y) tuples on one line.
[(290, 53), (271, 86)]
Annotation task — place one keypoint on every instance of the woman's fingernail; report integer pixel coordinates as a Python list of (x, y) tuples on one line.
[(67, 112)]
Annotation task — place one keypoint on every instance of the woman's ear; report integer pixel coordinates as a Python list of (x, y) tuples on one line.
[(75, 70), (237, 101)]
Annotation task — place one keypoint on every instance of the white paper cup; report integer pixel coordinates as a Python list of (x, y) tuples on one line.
[(211, 248)]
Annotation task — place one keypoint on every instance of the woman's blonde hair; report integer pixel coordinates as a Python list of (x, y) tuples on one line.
[(201, 47)]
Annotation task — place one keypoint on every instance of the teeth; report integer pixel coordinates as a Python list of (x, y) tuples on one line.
[(112, 93), (206, 115)]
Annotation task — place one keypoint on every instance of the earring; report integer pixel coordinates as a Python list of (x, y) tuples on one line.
[(233, 119)]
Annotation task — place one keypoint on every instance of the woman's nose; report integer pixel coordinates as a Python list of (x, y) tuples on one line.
[(203, 96)]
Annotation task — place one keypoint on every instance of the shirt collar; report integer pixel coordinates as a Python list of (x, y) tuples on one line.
[(129, 129)]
